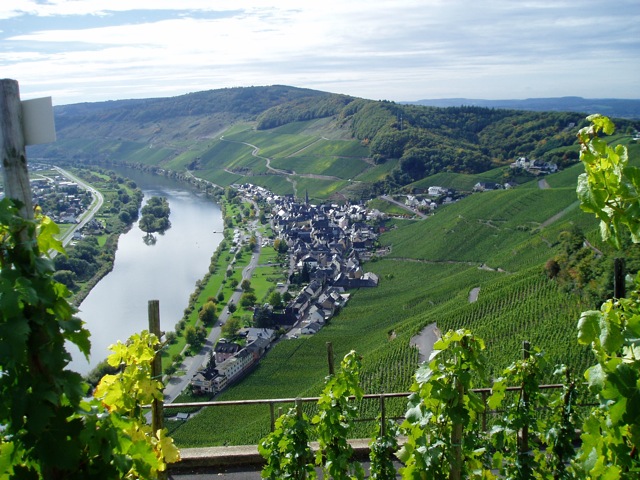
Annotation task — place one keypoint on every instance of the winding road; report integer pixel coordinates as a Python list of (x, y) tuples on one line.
[(96, 204)]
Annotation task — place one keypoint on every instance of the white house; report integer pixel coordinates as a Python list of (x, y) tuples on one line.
[(436, 191), (311, 329)]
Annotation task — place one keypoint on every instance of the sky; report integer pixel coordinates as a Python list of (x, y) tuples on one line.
[(400, 50)]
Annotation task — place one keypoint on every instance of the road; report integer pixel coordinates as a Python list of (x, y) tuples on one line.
[(176, 385), (400, 204), (96, 204)]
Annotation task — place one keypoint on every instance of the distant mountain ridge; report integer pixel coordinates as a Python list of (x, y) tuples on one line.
[(612, 107)]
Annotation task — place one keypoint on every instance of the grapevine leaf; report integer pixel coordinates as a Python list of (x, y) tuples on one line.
[(625, 378), (596, 377), (165, 444), (616, 410), (591, 200), (633, 325), (589, 326), (610, 334), (632, 415)]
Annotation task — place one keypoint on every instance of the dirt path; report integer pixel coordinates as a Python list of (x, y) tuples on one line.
[(560, 214), (473, 294), (543, 184), (402, 205), (425, 341)]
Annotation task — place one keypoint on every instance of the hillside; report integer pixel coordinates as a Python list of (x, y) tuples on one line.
[(293, 140), (497, 242)]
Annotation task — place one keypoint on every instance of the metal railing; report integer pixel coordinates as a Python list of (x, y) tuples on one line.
[(274, 403)]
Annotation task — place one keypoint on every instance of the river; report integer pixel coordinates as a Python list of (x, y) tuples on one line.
[(166, 271)]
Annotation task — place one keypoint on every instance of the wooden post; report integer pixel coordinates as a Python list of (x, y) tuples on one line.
[(157, 407), (14, 158), (330, 358), (524, 433), (456, 435), (272, 413), (484, 412), (299, 408), (619, 288), (383, 416)]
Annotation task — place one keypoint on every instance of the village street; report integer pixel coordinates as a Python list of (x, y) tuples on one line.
[(176, 384), (96, 204)]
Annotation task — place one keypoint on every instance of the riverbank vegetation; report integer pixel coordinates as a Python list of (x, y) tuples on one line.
[(155, 216), (90, 258)]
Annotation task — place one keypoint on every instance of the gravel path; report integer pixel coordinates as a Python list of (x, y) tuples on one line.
[(425, 340), (473, 294)]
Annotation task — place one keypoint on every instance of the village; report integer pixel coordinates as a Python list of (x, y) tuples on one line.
[(325, 245)]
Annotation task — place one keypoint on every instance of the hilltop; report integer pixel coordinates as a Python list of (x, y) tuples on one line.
[(293, 140)]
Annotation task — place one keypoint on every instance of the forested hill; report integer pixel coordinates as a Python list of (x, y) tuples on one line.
[(406, 142)]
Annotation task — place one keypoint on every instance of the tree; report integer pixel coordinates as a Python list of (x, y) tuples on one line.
[(245, 285), (207, 314), (275, 300), (262, 317), (231, 327), (190, 335), (231, 307), (66, 277), (248, 299)]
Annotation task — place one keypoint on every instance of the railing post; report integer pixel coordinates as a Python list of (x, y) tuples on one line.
[(299, 408), (484, 412), (524, 433), (456, 435), (619, 287), (383, 416), (272, 413)]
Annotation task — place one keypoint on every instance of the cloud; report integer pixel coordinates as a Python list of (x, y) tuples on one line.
[(402, 50)]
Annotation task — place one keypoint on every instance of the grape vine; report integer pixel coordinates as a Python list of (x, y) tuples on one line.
[(533, 437), (50, 430)]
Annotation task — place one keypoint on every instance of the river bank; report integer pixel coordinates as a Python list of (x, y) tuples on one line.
[(165, 269)]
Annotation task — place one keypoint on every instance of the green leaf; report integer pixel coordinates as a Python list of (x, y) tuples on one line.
[(596, 377), (610, 334), (589, 326), (625, 378)]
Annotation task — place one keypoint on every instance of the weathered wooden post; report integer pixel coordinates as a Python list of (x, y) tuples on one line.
[(330, 358), (484, 412), (272, 414), (383, 416), (299, 408), (14, 157)]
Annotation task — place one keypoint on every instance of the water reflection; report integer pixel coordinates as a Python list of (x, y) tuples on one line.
[(117, 307)]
